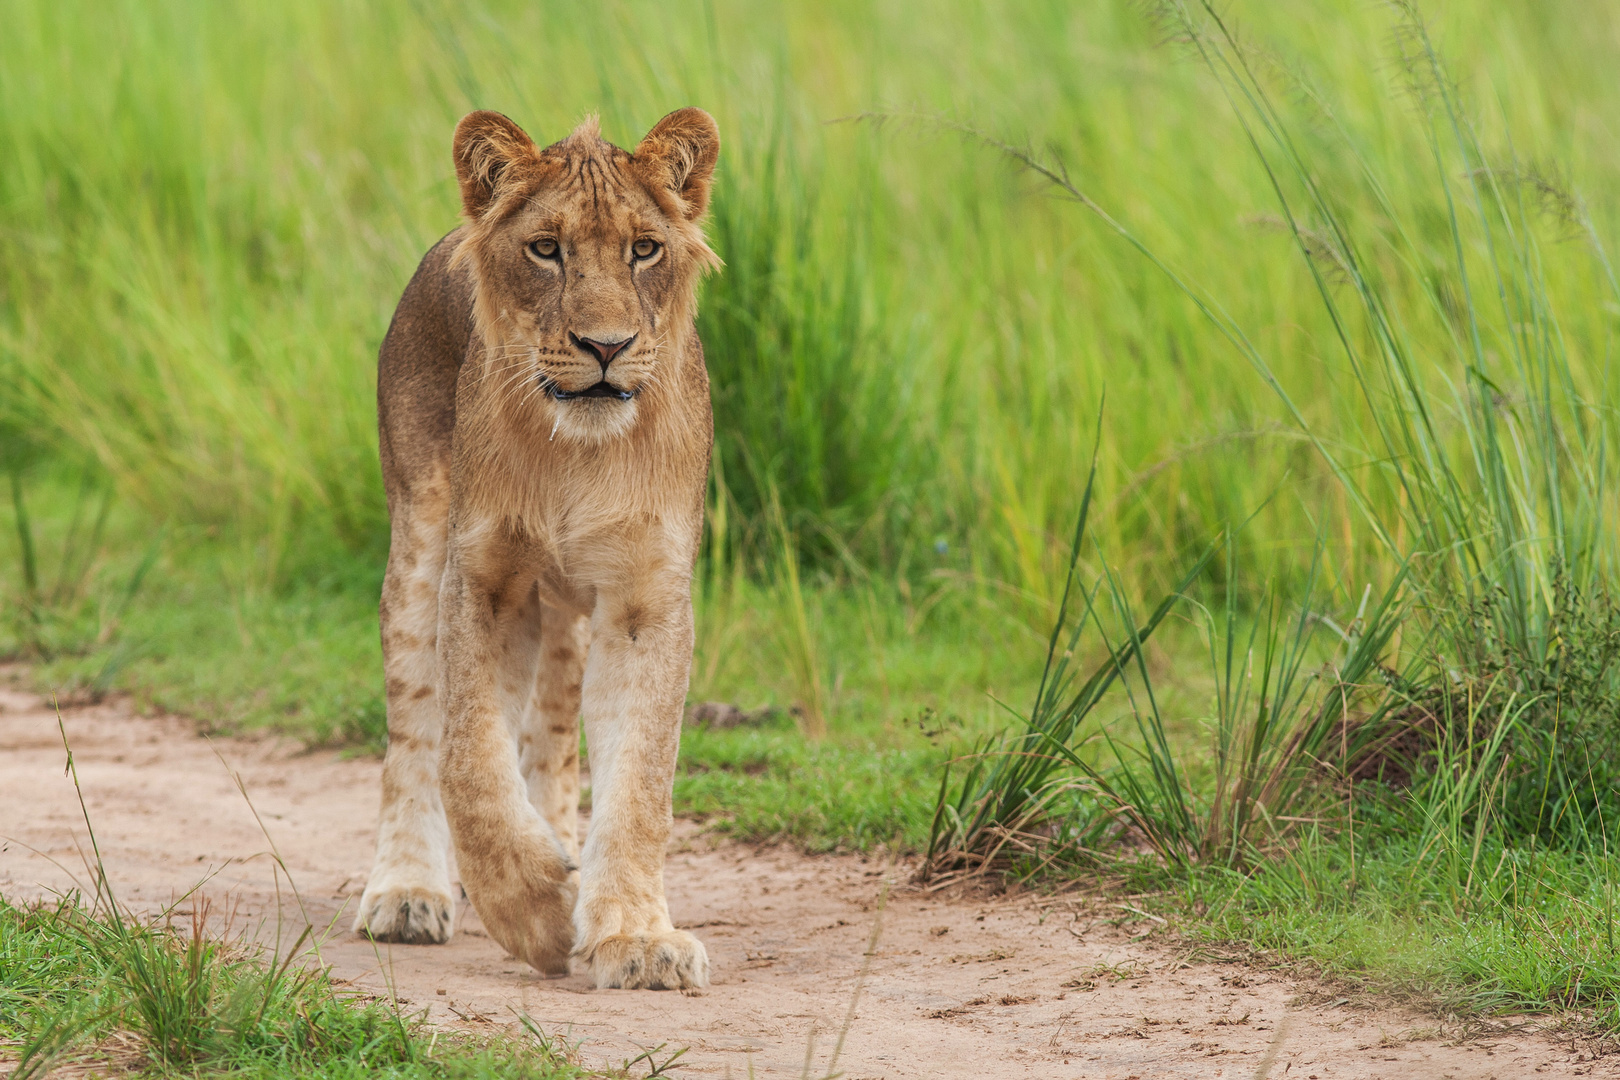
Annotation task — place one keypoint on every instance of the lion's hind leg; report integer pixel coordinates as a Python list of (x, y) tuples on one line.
[(408, 898), (548, 737)]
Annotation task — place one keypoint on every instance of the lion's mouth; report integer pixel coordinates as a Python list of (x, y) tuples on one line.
[(603, 389)]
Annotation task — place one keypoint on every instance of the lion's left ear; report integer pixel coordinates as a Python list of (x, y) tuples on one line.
[(677, 157)]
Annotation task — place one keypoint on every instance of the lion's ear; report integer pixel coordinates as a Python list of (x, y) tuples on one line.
[(678, 157), (487, 144)]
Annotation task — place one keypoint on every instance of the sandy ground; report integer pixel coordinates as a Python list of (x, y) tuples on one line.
[(1021, 987)]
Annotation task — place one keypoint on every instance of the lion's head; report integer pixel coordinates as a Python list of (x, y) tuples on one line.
[(585, 260)]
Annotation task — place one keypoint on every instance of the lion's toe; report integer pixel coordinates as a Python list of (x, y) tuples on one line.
[(408, 916), (669, 961)]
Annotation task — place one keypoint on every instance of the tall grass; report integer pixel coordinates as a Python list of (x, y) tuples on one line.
[(1495, 444), (1011, 789), (1485, 482), (1293, 720), (204, 232), (1487, 873), (808, 423)]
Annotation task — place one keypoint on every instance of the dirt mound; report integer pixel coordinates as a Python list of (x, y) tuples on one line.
[(1011, 988)]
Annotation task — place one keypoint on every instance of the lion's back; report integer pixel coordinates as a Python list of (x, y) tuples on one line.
[(417, 366)]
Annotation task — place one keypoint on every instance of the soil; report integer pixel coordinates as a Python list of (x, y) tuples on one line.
[(1025, 986)]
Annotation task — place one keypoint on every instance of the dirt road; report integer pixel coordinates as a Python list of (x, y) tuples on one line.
[(1025, 987)]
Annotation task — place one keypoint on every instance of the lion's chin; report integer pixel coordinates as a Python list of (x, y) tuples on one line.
[(593, 419), (603, 390)]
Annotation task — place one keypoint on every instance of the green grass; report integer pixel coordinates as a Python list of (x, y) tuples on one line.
[(93, 985), (1389, 350), (1535, 934), (846, 793), (203, 240)]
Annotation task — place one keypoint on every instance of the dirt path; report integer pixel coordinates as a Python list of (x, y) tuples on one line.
[(1012, 988)]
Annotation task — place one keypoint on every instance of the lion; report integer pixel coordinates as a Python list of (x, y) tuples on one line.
[(545, 432)]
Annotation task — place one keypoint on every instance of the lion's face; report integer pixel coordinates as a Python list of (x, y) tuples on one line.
[(586, 259)]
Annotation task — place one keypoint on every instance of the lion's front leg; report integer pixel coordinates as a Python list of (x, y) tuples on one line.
[(635, 685), (514, 870), (407, 896)]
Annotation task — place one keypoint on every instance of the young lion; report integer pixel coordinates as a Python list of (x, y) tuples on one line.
[(545, 432)]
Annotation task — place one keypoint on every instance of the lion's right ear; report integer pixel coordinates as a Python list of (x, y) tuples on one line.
[(486, 147)]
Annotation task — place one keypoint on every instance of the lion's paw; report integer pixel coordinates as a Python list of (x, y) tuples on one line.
[(531, 919), (674, 960), (410, 915)]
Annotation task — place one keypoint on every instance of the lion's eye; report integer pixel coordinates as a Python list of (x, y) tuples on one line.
[(543, 248), (644, 248)]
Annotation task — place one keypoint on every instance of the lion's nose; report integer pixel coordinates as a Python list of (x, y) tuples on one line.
[(605, 351)]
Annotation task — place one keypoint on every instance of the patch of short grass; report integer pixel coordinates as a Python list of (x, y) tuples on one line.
[(100, 987), (846, 793), (1534, 932), (302, 660)]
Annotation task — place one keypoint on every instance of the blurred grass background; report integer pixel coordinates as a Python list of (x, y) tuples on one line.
[(208, 212)]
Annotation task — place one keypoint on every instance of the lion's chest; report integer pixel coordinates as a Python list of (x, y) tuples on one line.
[(579, 538)]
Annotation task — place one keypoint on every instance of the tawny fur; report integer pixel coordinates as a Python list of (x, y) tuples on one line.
[(542, 548)]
